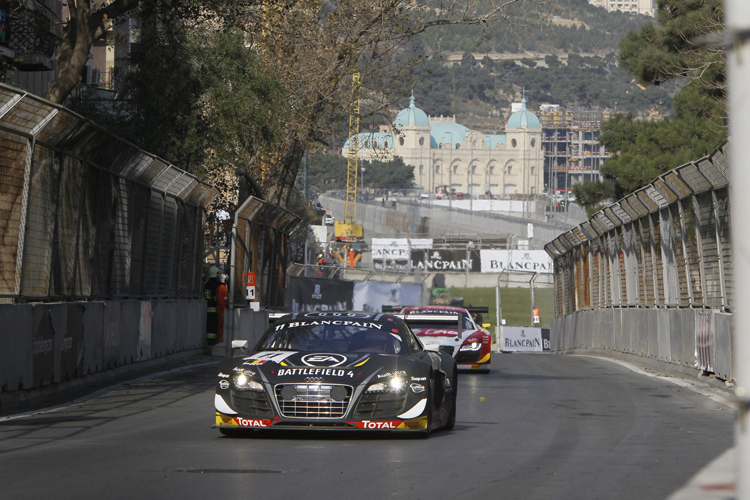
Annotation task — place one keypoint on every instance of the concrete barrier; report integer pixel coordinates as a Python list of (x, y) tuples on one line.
[(44, 345), (668, 339)]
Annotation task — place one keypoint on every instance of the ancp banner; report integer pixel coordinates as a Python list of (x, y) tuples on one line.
[(393, 254)]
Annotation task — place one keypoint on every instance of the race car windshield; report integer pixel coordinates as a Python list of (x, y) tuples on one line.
[(308, 337), (418, 327)]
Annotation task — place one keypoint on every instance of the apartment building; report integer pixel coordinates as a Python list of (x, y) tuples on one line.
[(645, 7)]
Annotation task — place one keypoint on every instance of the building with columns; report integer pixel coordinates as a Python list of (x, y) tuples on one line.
[(450, 158)]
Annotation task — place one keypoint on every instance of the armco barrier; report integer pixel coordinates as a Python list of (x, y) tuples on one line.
[(652, 274), (46, 344)]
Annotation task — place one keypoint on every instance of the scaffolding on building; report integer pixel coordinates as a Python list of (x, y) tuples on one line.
[(570, 139)]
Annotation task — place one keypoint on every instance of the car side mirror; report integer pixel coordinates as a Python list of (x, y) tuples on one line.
[(239, 345)]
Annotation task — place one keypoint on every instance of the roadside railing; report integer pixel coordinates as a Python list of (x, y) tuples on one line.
[(86, 215)]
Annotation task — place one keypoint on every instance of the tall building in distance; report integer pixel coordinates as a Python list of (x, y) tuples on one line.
[(645, 7), (570, 139)]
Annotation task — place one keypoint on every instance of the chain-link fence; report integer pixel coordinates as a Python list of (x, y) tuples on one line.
[(261, 248), (666, 245), (87, 215)]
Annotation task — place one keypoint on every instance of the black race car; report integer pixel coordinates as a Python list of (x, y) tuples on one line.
[(337, 371)]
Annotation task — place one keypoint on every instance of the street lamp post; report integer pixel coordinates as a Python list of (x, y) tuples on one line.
[(450, 171)]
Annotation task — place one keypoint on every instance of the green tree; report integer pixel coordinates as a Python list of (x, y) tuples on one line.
[(393, 174), (85, 21), (217, 110), (667, 52)]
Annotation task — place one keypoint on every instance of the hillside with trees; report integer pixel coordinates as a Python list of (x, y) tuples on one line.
[(566, 53), (657, 54)]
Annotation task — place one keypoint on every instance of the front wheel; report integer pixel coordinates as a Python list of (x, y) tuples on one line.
[(426, 433), (452, 418)]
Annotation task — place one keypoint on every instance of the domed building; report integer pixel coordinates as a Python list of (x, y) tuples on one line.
[(449, 157)]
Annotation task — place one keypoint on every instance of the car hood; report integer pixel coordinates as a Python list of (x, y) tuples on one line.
[(345, 368)]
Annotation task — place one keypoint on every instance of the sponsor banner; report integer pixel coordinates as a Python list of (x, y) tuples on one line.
[(445, 260), (320, 294), (545, 339), (495, 261), (393, 254), (522, 339), (373, 295)]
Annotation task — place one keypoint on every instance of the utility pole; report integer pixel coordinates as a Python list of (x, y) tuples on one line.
[(737, 41)]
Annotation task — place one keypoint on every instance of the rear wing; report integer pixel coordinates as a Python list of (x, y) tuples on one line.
[(273, 317), (472, 310), (447, 320)]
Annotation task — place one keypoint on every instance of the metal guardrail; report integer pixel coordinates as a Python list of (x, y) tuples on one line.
[(87, 215), (666, 245)]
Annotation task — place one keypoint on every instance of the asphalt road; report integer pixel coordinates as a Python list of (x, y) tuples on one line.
[(538, 427)]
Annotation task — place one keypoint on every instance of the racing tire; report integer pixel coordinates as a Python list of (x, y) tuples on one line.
[(452, 418), (430, 410)]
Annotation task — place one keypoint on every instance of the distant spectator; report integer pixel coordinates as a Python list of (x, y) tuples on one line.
[(209, 294)]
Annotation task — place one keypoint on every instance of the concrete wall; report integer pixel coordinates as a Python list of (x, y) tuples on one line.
[(684, 340), (43, 344), (401, 218)]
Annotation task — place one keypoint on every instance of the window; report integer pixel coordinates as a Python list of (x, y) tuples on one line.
[(385, 144), (421, 141), (437, 169), (533, 142), (375, 144), (513, 143), (458, 146), (367, 143), (400, 141)]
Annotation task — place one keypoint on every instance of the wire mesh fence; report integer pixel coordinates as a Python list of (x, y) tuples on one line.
[(665, 246), (87, 215)]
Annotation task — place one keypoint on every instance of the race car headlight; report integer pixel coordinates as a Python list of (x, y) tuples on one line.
[(474, 346), (244, 383), (393, 385)]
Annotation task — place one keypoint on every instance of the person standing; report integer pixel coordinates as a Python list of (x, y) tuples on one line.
[(209, 294), (222, 301)]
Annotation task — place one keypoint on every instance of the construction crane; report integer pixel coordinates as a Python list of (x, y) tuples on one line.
[(349, 235), (348, 229)]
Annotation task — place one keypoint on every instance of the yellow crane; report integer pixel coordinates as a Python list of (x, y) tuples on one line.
[(348, 229)]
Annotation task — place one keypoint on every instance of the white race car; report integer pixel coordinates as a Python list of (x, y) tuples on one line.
[(455, 331)]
